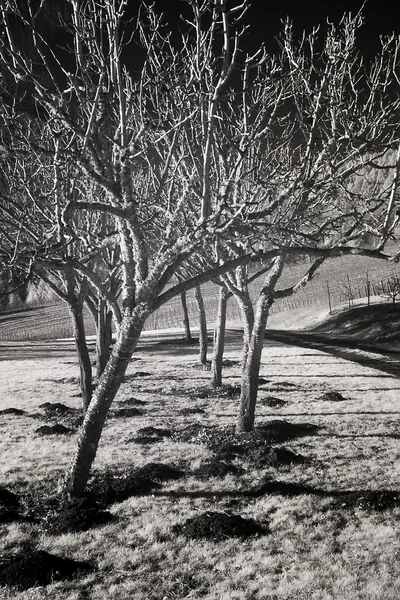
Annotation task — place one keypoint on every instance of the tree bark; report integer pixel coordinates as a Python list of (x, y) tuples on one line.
[(78, 325), (186, 321), (219, 339), (203, 336), (247, 312), (103, 336), (106, 389), (251, 366)]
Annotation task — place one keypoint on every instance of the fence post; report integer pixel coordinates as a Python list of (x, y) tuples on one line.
[(368, 291)]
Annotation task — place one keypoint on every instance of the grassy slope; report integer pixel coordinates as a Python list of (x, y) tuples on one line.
[(378, 325), (315, 550)]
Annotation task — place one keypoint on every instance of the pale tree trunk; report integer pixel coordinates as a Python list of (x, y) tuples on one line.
[(219, 339), (186, 321), (103, 336), (251, 368), (85, 366), (247, 312), (105, 392), (203, 339)]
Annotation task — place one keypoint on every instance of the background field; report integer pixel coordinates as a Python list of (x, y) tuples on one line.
[(328, 290)]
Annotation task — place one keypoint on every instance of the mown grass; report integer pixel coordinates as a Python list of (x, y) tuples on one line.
[(318, 545)]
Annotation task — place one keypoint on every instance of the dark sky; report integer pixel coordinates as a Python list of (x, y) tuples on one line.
[(265, 18)]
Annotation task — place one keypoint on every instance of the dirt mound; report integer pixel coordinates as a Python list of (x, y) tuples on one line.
[(263, 456), (219, 526), (136, 375), (280, 430), (123, 413), (282, 488), (110, 487), (193, 433), (370, 500), (34, 568), (57, 411), (332, 396), (192, 411), (159, 472), (56, 429), (151, 435), (132, 402), (12, 411), (58, 516), (229, 450), (9, 506), (217, 438), (216, 468), (272, 402)]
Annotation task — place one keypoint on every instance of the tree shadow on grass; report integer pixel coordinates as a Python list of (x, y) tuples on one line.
[(346, 499), (341, 348)]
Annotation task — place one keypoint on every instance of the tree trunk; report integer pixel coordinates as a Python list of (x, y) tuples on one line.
[(78, 325), (186, 322), (251, 366), (219, 339), (247, 312), (105, 392), (103, 336), (203, 339)]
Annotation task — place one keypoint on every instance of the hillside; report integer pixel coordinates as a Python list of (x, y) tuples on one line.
[(329, 289), (378, 325)]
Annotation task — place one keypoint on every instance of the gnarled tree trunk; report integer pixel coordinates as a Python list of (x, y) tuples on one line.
[(107, 387), (103, 336), (251, 366), (186, 321), (219, 339), (203, 339), (85, 366)]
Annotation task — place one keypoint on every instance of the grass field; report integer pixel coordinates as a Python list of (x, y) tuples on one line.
[(319, 542)]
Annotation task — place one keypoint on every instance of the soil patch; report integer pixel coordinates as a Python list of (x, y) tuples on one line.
[(34, 568), (265, 456), (150, 435), (58, 517), (370, 500), (282, 488), (132, 402), (216, 468), (123, 413), (272, 402), (136, 375), (332, 396), (110, 487), (218, 526), (56, 429), (12, 411), (56, 411), (159, 472), (9, 506), (192, 411), (217, 438)]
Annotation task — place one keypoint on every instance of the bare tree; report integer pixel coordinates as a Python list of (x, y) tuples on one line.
[(185, 161), (391, 289)]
